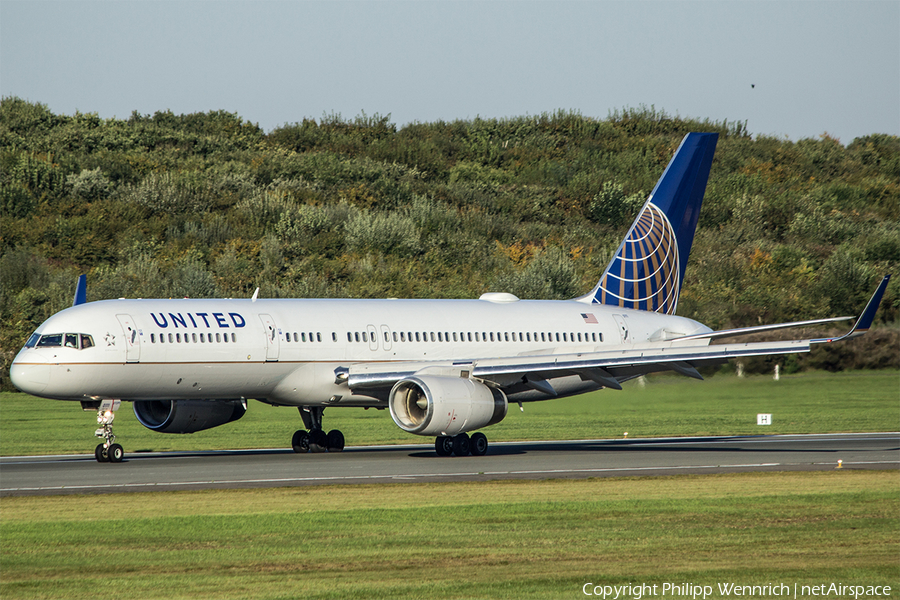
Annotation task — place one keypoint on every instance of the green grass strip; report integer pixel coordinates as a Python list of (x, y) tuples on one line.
[(504, 539)]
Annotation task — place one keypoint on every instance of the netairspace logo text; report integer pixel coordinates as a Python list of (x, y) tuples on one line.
[(681, 591)]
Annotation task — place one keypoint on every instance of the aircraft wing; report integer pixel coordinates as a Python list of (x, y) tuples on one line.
[(606, 368)]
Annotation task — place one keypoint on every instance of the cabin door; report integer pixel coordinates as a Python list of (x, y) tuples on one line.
[(386, 336), (623, 327), (273, 337), (132, 338)]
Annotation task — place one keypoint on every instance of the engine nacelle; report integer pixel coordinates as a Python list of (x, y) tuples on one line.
[(444, 406), (187, 416)]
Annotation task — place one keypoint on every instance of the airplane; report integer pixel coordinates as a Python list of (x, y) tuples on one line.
[(443, 368)]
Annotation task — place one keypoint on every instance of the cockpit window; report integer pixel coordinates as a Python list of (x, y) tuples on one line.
[(51, 340), (55, 340)]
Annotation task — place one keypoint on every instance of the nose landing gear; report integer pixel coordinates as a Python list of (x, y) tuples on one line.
[(108, 451)]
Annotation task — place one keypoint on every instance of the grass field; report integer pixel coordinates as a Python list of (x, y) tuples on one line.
[(522, 539), (666, 406), (502, 539)]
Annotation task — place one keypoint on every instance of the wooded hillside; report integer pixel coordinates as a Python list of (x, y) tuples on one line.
[(208, 204)]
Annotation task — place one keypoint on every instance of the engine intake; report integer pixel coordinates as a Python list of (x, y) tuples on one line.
[(444, 406), (187, 416)]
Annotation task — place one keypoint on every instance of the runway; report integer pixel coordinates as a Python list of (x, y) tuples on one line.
[(81, 474)]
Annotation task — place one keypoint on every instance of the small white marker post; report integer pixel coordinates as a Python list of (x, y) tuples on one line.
[(840, 464), (764, 419)]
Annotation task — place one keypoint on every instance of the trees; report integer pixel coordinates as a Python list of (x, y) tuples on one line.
[(208, 204)]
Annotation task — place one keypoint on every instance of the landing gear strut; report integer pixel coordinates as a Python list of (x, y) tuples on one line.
[(108, 451), (316, 440), (462, 445)]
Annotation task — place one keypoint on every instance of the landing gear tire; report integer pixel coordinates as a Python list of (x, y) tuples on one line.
[(101, 454), (108, 451), (300, 442), (318, 441), (443, 446), (115, 453), (478, 444), (335, 441), (461, 444)]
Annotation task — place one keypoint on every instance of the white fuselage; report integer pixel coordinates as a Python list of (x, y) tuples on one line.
[(285, 352)]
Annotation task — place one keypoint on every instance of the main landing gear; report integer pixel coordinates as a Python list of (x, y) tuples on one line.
[(462, 445), (108, 451), (316, 440)]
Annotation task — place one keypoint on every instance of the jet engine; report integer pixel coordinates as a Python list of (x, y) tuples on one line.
[(187, 416), (445, 406)]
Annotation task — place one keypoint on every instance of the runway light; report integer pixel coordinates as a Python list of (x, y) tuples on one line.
[(840, 464), (626, 434)]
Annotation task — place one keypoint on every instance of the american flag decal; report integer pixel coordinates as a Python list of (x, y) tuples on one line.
[(589, 317)]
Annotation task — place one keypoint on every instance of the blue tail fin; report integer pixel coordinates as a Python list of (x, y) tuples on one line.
[(647, 271), (80, 291)]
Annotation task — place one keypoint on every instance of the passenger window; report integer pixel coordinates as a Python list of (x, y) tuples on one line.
[(506, 337), (333, 336), (395, 336), (440, 337), (402, 336), (194, 337), (234, 337), (152, 339), (365, 336), (349, 337), (303, 337), (417, 336), (178, 337), (432, 336), (454, 337), (218, 337)]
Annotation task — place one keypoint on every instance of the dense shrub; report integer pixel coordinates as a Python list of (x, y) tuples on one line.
[(207, 204)]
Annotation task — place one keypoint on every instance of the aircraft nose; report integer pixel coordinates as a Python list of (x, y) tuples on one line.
[(31, 377)]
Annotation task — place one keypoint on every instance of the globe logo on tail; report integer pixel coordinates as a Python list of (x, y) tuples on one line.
[(644, 275)]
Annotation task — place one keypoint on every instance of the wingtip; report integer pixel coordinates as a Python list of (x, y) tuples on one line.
[(867, 317)]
